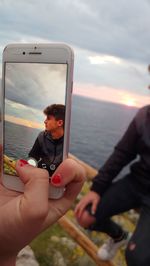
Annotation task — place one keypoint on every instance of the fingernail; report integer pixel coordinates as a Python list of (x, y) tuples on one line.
[(93, 212), (22, 162), (56, 179)]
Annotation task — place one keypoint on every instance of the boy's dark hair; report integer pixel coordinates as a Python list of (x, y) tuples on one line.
[(56, 110)]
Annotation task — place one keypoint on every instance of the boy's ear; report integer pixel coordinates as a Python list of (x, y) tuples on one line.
[(60, 122)]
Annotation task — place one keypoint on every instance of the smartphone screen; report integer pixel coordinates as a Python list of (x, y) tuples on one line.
[(34, 114)]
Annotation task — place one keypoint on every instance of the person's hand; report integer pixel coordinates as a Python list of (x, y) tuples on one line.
[(90, 198), (24, 215)]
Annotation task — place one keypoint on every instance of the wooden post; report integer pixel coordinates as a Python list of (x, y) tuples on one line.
[(90, 248)]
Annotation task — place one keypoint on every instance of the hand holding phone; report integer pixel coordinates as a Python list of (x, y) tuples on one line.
[(37, 85)]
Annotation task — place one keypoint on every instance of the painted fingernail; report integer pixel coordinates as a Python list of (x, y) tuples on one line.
[(22, 162), (56, 179)]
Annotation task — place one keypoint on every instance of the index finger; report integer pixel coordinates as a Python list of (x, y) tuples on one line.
[(80, 208)]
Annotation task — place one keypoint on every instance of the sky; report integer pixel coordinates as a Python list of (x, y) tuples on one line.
[(30, 88), (110, 40)]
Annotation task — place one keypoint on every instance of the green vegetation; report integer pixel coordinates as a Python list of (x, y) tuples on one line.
[(54, 247), (9, 170)]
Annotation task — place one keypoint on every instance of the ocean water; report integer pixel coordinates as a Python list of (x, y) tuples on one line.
[(19, 140), (95, 129)]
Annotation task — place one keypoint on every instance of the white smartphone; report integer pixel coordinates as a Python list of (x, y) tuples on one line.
[(37, 82)]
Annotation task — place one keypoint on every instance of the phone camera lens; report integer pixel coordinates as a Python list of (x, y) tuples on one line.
[(35, 47), (23, 53)]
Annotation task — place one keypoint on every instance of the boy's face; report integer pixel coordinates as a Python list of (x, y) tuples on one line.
[(51, 124)]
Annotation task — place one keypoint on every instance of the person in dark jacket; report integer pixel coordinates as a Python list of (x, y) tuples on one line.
[(107, 198), (48, 147)]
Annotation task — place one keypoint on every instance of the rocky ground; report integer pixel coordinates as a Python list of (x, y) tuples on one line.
[(26, 257)]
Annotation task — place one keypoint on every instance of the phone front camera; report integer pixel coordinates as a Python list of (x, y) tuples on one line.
[(35, 47), (23, 53)]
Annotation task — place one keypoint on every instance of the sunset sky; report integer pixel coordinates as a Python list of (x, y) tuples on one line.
[(111, 45)]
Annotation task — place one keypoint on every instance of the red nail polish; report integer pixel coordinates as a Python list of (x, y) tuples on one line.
[(22, 162), (56, 179)]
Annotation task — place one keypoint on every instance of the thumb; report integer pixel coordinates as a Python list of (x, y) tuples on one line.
[(68, 171), (94, 206), (72, 177)]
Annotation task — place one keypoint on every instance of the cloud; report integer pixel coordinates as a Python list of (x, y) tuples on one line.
[(104, 59), (93, 25), (35, 85), (110, 71), (22, 112)]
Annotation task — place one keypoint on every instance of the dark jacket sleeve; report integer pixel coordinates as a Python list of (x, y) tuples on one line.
[(36, 150), (124, 152)]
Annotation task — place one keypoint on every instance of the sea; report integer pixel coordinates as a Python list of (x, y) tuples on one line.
[(96, 127)]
